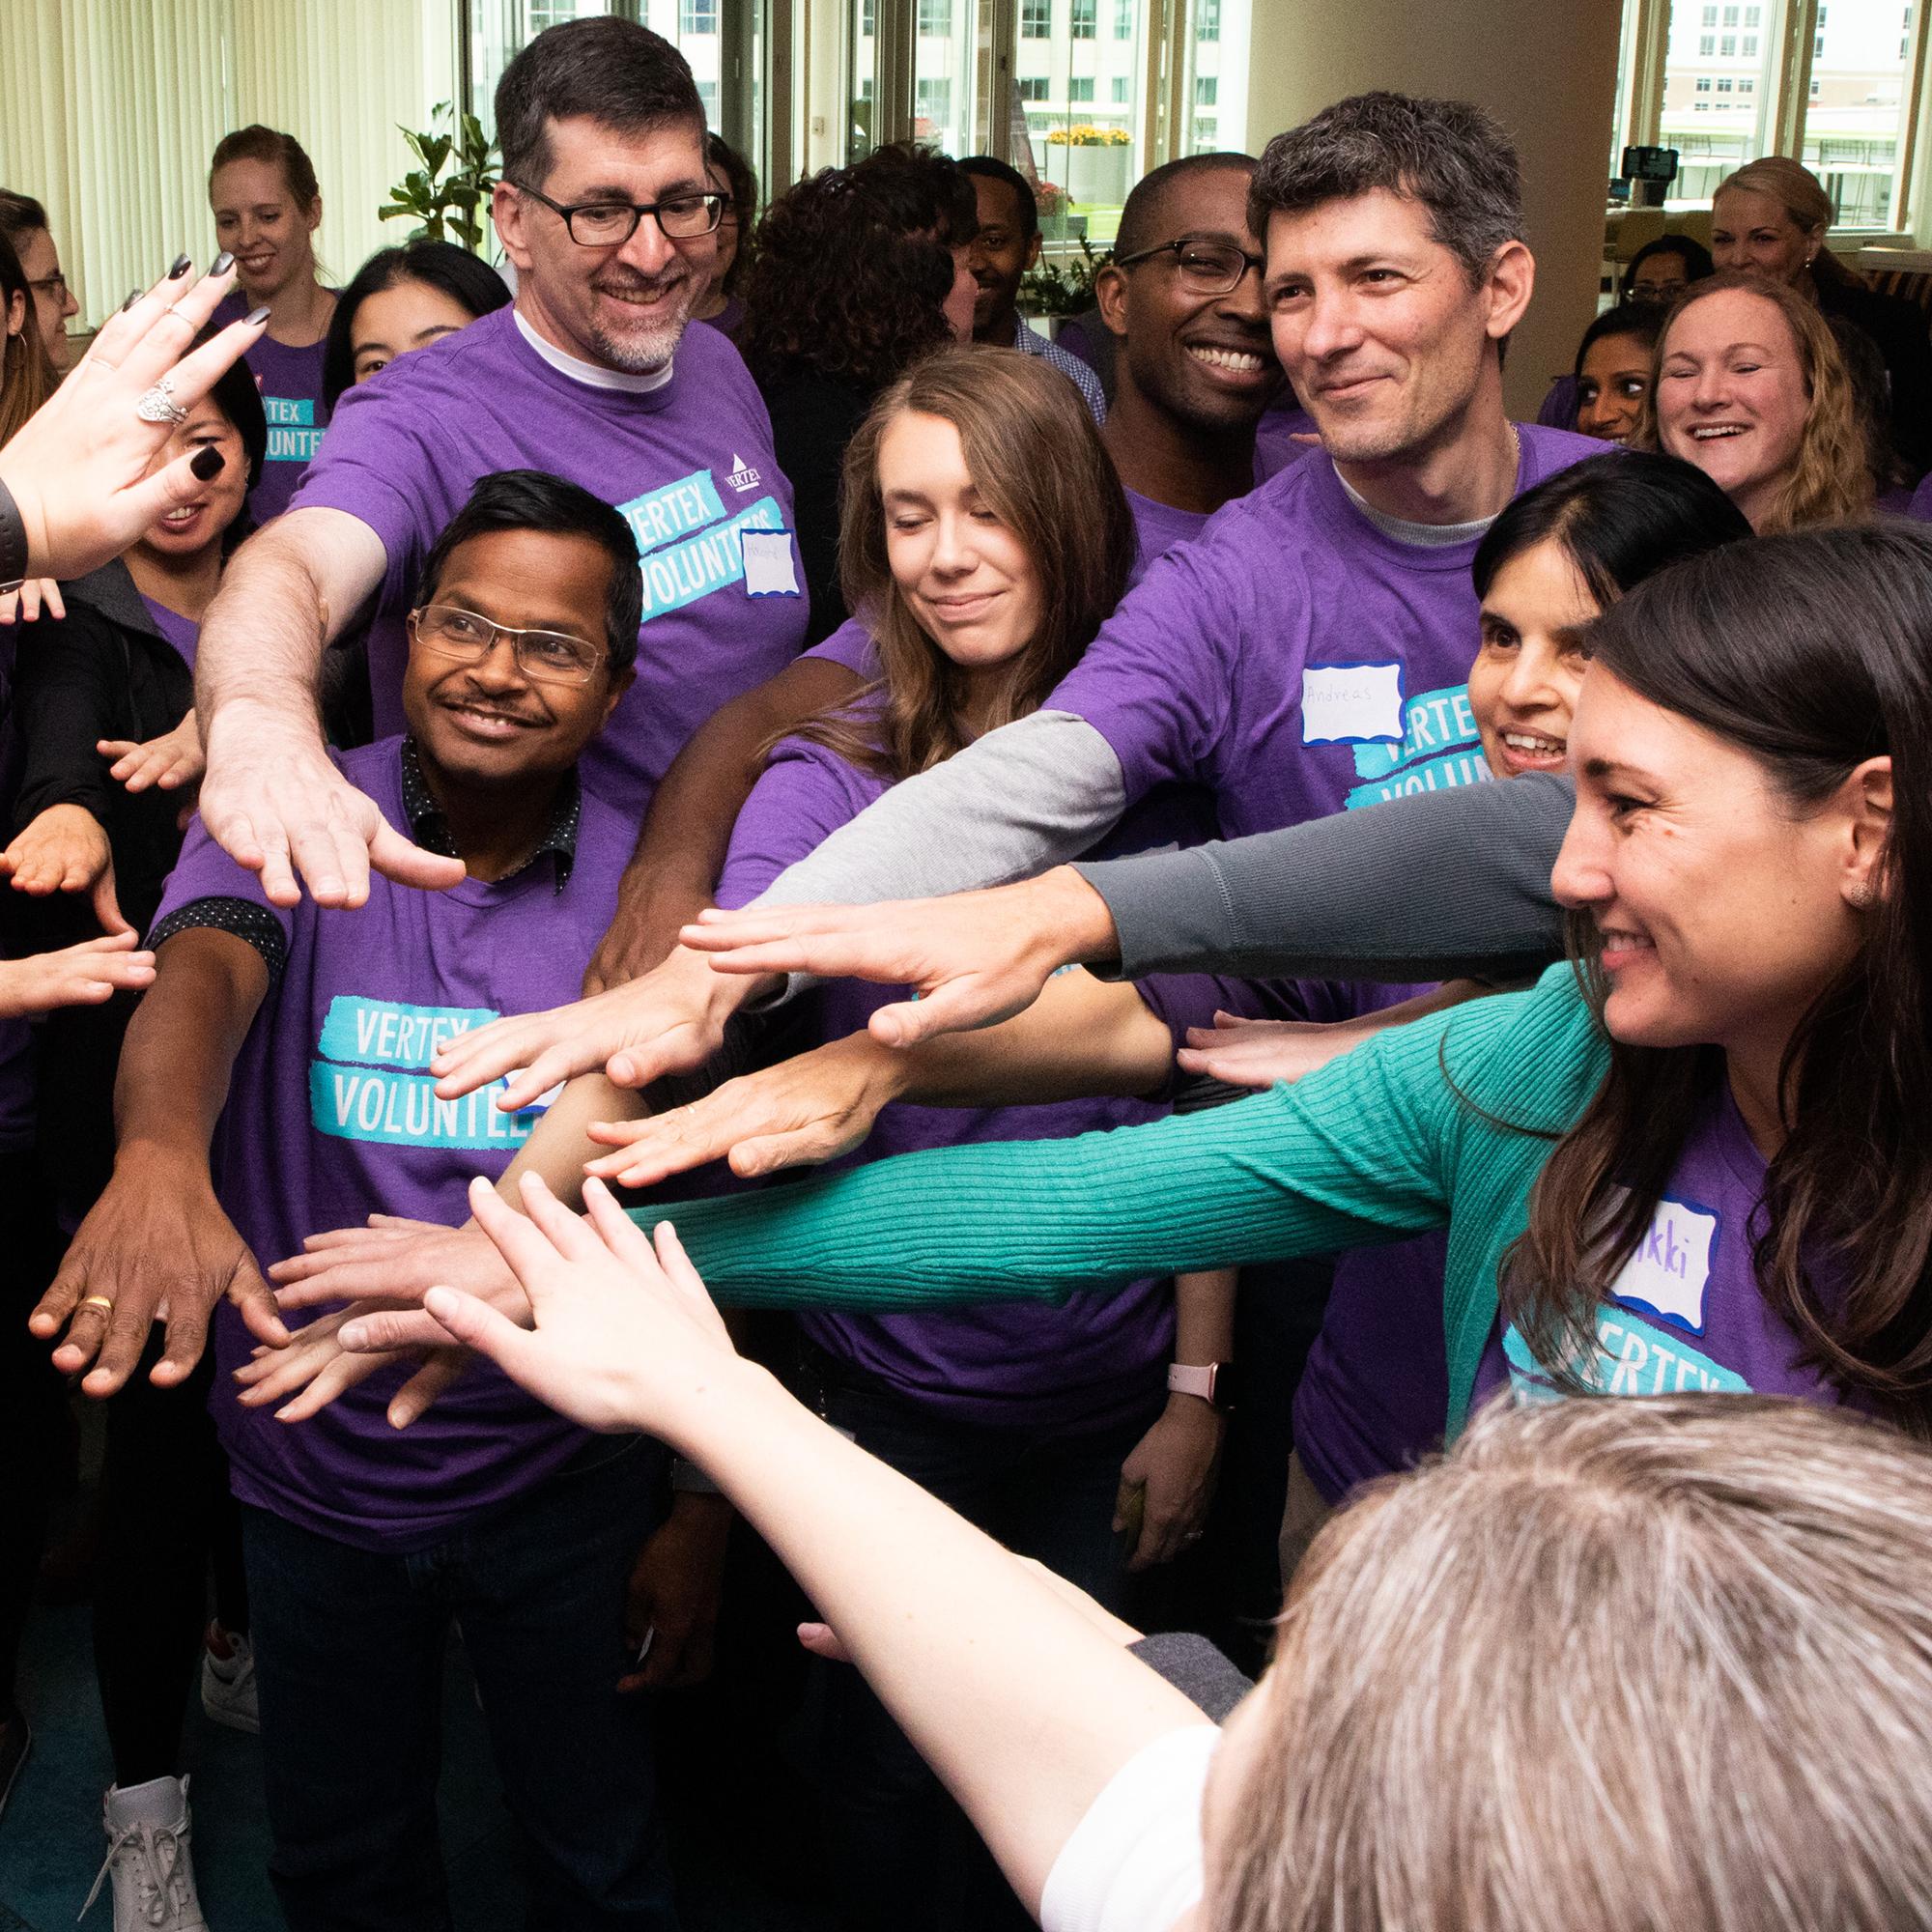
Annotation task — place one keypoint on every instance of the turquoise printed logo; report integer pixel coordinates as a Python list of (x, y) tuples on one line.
[(1633, 1358), (687, 547), (358, 1091), (1439, 748), (293, 436)]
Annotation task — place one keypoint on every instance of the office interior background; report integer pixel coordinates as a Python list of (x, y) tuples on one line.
[(110, 108)]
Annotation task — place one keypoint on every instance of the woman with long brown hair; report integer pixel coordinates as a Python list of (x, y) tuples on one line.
[(1749, 383), (26, 376)]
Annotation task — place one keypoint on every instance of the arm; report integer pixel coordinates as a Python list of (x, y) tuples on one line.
[(272, 798), (67, 676), (1421, 888), (158, 1232), (686, 832), (1023, 1709)]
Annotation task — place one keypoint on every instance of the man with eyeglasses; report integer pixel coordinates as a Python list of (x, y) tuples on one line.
[(607, 212), (308, 1034), (24, 223)]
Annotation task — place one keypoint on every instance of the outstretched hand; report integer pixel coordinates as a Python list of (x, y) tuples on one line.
[(77, 976), (626, 1336), (976, 959)]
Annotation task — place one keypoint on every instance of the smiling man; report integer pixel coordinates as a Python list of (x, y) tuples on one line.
[(607, 212), (309, 1033)]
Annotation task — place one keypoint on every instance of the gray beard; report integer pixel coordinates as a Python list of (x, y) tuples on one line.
[(647, 352)]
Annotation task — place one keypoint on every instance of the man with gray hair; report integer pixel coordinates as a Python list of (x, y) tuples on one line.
[(1308, 652)]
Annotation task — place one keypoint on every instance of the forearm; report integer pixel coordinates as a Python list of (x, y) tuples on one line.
[(1420, 888), (1020, 1706), (1204, 1316), (180, 1050), (560, 1143), (1024, 796), (1261, 1179)]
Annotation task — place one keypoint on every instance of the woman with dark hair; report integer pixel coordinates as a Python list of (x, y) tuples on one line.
[(399, 299), (1661, 270), (104, 713), (26, 376), (730, 174), (1612, 372), (860, 271), (267, 205)]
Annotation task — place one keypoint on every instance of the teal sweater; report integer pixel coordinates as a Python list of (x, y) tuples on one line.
[(1446, 1121)]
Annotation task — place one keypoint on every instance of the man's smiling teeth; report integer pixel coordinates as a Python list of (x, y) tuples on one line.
[(1526, 740), (1242, 361), (1709, 429)]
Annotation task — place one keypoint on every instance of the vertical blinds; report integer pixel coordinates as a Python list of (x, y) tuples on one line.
[(110, 110)]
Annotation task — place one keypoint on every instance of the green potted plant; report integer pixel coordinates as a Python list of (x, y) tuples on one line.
[(452, 207), (1091, 162), (1061, 288)]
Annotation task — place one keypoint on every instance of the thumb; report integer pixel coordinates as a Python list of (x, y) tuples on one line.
[(479, 1327), (909, 1022), (255, 1302), (822, 1640), (106, 908), (168, 488)]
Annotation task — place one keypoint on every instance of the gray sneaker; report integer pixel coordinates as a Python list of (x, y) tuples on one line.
[(228, 1683), (148, 1860)]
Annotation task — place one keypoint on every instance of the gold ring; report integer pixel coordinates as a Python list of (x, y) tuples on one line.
[(100, 1301)]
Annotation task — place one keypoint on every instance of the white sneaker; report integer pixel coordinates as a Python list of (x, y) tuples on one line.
[(148, 1859), (228, 1684)]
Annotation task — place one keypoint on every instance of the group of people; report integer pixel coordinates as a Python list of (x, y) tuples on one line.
[(1327, 940)]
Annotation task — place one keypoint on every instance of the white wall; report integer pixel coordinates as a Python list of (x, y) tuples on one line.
[(1546, 70)]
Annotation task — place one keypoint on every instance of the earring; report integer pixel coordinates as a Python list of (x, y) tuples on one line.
[(1861, 895)]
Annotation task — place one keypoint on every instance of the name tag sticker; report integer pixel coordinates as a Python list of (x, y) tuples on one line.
[(1671, 1267), (540, 1106), (1352, 704), (769, 568)]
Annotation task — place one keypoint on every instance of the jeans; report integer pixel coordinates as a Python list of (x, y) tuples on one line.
[(900, 1852), (348, 1649)]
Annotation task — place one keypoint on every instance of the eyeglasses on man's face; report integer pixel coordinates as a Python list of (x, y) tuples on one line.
[(604, 223), (1205, 267), (549, 657)]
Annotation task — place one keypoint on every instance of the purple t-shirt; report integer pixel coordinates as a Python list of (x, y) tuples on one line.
[(1159, 526), (1920, 505), (1093, 1359), (182, 633), (290, 380), (1684, 1314), (1294, 658), (331, 1116), (689, 465), (1275, 446)]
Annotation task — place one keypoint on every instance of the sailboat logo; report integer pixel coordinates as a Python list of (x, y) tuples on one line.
[(742, 477)]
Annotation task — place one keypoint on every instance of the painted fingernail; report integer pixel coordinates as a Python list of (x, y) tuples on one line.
[(205, 463), (133, 295), (182, 264), (257, 316), (221, 263)]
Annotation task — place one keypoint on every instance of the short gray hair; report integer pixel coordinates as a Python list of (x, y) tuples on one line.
[(1452, 157), (1612, 1664)]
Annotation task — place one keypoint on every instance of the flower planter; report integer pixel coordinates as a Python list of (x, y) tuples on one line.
[(1097, 177)]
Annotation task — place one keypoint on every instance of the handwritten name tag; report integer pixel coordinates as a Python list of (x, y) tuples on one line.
[(1671, 1266), (1352, 704)]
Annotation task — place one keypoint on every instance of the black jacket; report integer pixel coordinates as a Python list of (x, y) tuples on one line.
[(814, 418), (1898, 329), (102, 671)]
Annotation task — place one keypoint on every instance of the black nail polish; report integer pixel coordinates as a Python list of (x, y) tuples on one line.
[(256, 315), (205, 463), (182, 265), (221, 263), (133, 295)]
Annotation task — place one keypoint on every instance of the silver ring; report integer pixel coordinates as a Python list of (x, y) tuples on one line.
[(158, 406)]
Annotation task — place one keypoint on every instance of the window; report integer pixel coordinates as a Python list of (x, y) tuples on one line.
[(1207, 87), (1723, 87), (1727, 46), (698, 16), (1701, 106), (1032, 87), (1816, 89), (1080, 87), (1121, 86), (1707, 46), (1746, 87), (1704, 84), (707, 94), (1036, 19), (1207, 21), (1753, 16), (1710, 17), (935, 102), (1207, 135), (1124, 19), (1750, 46), (1084, 25), (935, 20), (1731, 17)]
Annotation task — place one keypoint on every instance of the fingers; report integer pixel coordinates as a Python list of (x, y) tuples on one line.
[(823, 1641), (409, 865), (622, 1235), (389, 1330), (771, 1153), (418, 1395), (472, 1060), (476, 1325), (573, 1238), (50, 596), (907, 1022), (255, 1302), (685, 1280), (127, 1338), (338, 1374), (106, 907)]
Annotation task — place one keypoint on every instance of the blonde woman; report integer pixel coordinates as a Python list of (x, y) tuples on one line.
[(1749, 385), (1773, 219)]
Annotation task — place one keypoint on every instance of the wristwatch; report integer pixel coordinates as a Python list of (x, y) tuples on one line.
[(1212, 1382), (13, 544)]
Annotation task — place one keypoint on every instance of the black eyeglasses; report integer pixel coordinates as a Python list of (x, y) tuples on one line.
[(610, 224), (551, 657), (55, 285), (1207, 268)]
